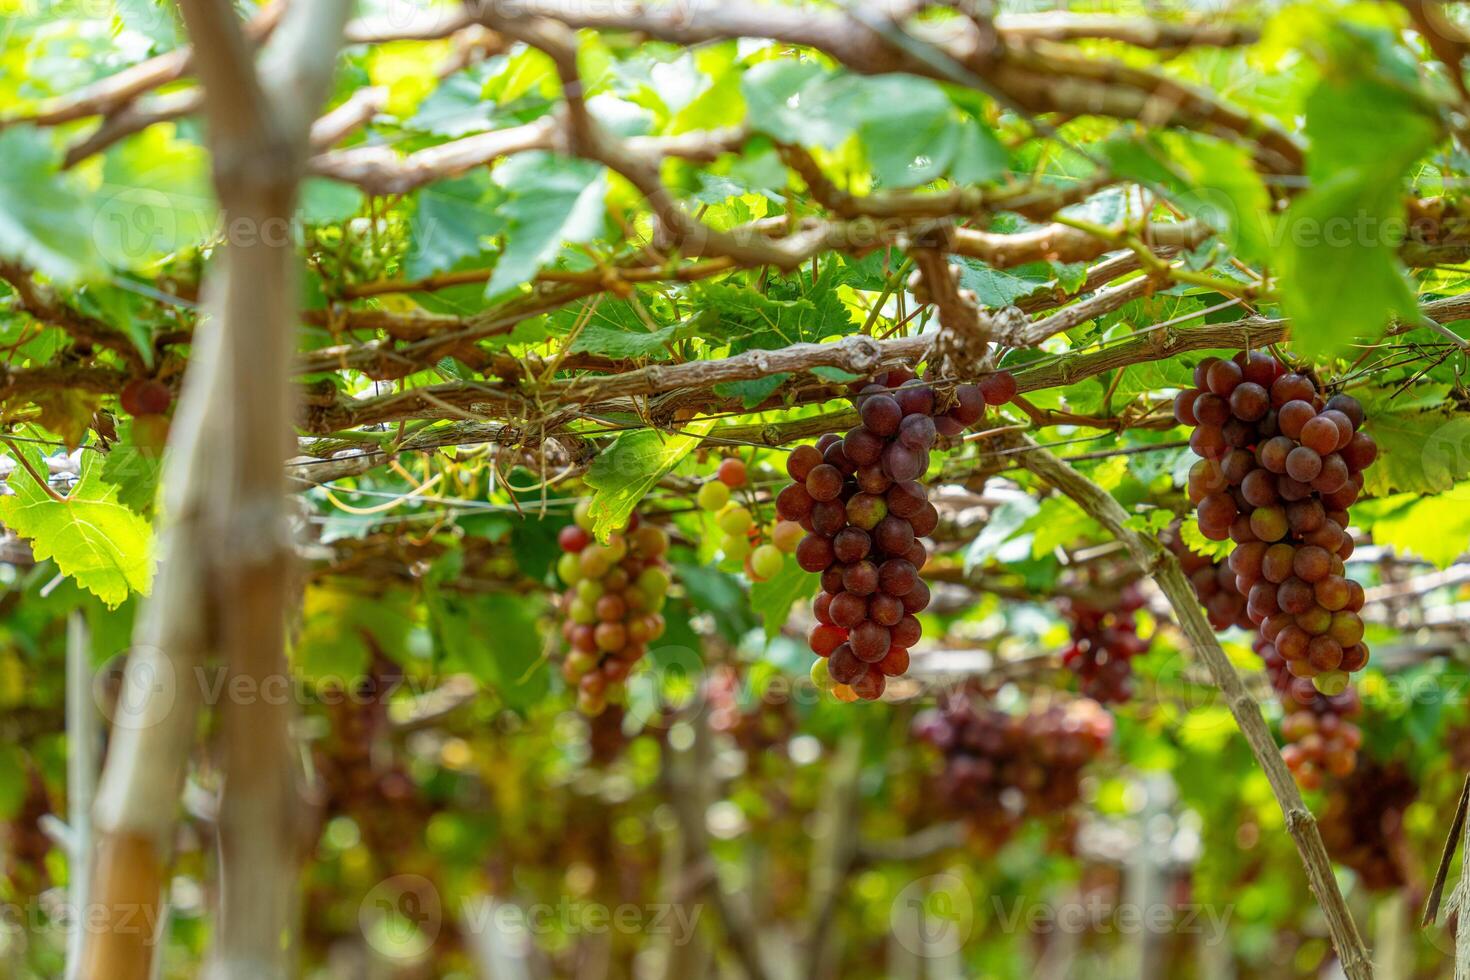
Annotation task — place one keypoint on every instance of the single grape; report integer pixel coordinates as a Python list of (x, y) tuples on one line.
[(916, 600), (969, 405), (881, 414), (814, 553), (863, 446), (998, 388), (897, 577), (573, 539), (851, 544), (893, 535), (844, 666), (917, 432), (902, 463), (895, 662), (824, 482), (908, 631), (802, 461), (870, 686), (1184, 407), (1211, 410), (734, 520), (861, 578), (793, 503), (767, 561), (1303, 464), (885, 610), (925, 521), (915, 398), (866, 511), (906, 499), (848, 610), (1249, 401), (1223, 377), (1259, 488), (732, 472), (1269, 523), (823, 639), (870, 641), (1292, 387), (786, 536), (828, 517)]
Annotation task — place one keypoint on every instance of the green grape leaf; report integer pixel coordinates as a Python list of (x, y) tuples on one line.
[(1436, 528), (341, 629), (93, 538), (1338, 242), (45, 222), (133, 472), (1418, 451), (549, 201), (493, 638), (772, 599), (451, 221), (157, 197), (626, 470), (1198, 543)]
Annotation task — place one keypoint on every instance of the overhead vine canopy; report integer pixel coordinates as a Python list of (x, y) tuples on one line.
[(518, 274)]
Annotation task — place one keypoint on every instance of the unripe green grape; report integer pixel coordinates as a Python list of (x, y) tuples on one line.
[(713, 495), (1331, 682), (654, 582), (569, 567), (616, 692), (736, 547), (821, 677), (767, 560), (583, 612), (582, 515), (579, 664), (735, 520), (590, 590)]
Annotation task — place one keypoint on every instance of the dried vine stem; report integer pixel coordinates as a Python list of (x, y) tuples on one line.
[(1164, 568)]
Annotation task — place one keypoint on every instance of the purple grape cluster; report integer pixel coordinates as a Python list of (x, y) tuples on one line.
[(861, 501)]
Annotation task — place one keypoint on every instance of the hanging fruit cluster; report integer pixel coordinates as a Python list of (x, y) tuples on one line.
[(1280, 465), (861, 502), (741, 539), (1001, 769), (1213, 583), (1363, 824), (612, 605), (1317, 728), (1104, 643)]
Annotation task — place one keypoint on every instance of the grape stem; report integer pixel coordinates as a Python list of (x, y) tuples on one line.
[(1164, 568)]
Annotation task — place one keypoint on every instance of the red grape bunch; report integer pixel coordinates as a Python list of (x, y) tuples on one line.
[(612, 605), (861, 502), (1363, 824), (1000, 769), (740, 533), (1213, 582), (1104, 643), (1280, 465), (1318, 729)]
